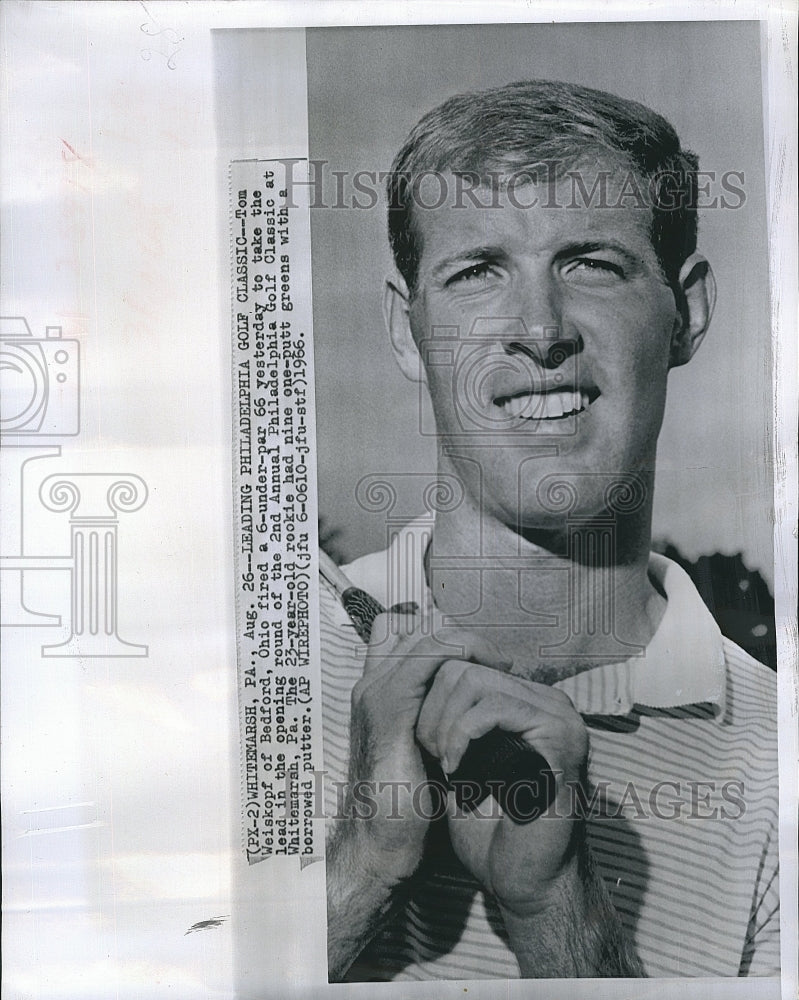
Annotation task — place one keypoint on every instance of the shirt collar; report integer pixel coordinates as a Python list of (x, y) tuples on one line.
[(682, 665)]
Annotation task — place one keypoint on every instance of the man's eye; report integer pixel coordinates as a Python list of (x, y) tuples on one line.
[(595, 267), (470, 274)]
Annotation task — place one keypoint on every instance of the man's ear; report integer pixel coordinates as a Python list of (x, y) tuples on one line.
[(697, 288), (396, 313)]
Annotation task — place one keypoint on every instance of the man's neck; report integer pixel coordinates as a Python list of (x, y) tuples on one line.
[(557, 603)]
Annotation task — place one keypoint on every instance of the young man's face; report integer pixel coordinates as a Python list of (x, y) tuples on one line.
[(562, 325)]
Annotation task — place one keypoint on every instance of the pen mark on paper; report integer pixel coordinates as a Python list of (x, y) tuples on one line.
[(207, 925), (73, 154)]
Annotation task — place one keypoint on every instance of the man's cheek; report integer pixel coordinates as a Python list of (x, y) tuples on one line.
[(440, 387)]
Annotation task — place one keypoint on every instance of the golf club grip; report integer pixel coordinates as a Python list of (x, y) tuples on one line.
[(499, 763), (504, 765)]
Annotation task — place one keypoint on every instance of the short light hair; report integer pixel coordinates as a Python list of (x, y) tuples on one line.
[(512, 129)]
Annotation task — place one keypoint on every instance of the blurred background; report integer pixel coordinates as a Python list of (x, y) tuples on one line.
[(366, 88)]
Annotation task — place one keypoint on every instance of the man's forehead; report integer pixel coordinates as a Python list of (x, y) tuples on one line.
[(596, 199)]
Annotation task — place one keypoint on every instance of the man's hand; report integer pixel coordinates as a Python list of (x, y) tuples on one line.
[(517, 863), (441, 691), (368, 858), (386, 704), (559, 919)]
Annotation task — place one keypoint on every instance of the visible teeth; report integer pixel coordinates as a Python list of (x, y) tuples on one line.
[(546, 405), (520, 405)]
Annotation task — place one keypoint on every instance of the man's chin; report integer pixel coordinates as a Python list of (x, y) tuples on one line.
[(564, 503)]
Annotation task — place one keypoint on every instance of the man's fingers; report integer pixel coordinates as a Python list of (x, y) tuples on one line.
[(398, 642), (458, 686), (481, 718), (443, 691), (467, 700), (422, 660), (389, 630)]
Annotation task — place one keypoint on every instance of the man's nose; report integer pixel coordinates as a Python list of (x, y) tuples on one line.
[(540, 333), (549, 352)]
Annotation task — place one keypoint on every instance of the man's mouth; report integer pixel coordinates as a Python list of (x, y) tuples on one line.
[(552, 405)]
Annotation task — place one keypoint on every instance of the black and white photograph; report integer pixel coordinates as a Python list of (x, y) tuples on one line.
[(398, 499), (559, 250)]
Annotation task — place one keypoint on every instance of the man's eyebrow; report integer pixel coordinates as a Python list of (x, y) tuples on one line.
[(476, 255)]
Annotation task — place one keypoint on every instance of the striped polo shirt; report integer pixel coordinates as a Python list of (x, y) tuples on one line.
[(683, 819)]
